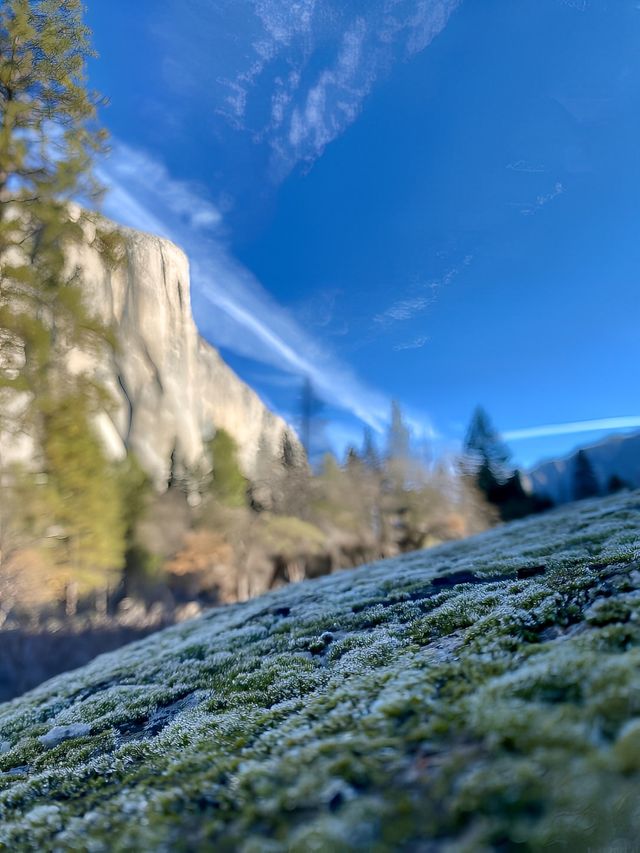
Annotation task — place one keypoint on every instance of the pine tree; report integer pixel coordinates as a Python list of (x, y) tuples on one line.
[(295, 479), (399, 436), (83, 493), (486, 459), (484, 451), (585, 482), (399, 464), (352, 458), (48, 137), (369, 454), (229, 485)]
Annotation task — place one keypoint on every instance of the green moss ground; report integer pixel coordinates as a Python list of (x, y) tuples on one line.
[(483, 695)]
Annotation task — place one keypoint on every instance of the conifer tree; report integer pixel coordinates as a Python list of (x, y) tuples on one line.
[(352, 460), (48, 139), (399, 462), (228, 483), (486, 459), (399, 436), (585, 483), (484, 451), (369, 454), (83, 494)]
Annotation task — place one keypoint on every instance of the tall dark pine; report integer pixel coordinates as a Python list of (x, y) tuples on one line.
[(484, 451), (585, 482), (370, 454), (399, 463), (310, 425), (399, 441), (487, 460)]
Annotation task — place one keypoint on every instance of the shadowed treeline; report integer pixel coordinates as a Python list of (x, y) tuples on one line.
[(29, 657)]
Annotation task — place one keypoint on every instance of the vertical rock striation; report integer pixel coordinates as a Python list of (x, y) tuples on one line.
[(172, 389)]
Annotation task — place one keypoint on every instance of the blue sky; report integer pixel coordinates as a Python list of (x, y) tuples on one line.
[(429, 200)]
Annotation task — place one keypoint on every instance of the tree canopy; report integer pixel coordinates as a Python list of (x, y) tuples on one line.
[(585, 482), (49, 136), (483, 447), (48, 139)]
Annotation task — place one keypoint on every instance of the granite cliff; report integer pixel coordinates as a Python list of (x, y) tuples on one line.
[(171, 388)]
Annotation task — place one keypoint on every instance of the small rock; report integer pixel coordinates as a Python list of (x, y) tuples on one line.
[(58, 734), (5, 746)]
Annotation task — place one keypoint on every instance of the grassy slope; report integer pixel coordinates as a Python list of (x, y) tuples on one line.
[(481, 695)]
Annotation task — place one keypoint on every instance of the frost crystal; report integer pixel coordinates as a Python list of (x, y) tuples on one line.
[(481, 695)]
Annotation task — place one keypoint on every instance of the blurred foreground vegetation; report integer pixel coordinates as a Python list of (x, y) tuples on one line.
[(101, 534)]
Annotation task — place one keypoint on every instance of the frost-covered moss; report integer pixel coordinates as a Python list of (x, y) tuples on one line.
[(482, 695)]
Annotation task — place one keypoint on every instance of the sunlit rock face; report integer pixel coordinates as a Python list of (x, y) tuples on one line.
[(172, 390)]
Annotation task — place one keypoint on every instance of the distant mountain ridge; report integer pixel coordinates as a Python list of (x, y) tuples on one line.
[(617, 455)]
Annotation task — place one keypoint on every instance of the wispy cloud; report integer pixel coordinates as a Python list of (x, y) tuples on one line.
[(526, 166), (133, 176), (313, 62), (573, 428), (331, 103), (310, 111), (578, 5), (405, 309), (423, 297), (530, 209), (416, 343), (232, 308)]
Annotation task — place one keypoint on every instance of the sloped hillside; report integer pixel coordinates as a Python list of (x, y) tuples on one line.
[(484, 695), (616, 455)]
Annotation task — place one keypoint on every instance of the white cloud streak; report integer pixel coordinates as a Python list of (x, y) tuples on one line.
[(313, 62), (409, 306), (404, 309), (573, 428), (542, 200), (527, 167), (417, 343), (232, 308), (309, 115)]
